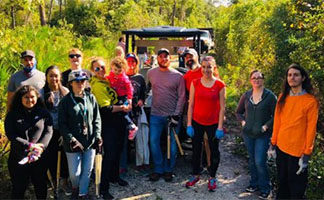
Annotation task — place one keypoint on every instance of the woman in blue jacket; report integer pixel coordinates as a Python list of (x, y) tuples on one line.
[(255, 111)]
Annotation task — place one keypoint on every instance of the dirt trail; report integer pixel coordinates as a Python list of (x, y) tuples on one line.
[(232, 178)]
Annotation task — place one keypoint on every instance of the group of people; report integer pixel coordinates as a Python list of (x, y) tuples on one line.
[(85, 110)]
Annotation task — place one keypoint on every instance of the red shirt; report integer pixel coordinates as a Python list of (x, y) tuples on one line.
[(206, 102), (190, 76)]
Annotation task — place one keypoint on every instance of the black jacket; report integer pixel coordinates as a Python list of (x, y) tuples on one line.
[(23, 127), (257, 115)]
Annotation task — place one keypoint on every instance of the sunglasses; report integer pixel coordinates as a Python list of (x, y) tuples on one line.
[(74, 56), (80, 81), (80, 74), (97, 69)]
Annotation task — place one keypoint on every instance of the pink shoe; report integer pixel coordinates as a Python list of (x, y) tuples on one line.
[(212, 184), (132, 132), (192, 181)]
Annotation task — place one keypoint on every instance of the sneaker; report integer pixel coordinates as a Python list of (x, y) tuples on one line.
[(122, 182), (67, 188), (168, 176), (251, 189), (263, 195), (75, 193), (212, 184), (85, 196), (155, 176), (132, 132), (192, 181), (107, 196)]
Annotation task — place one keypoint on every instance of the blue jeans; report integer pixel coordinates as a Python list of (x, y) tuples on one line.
[(80, 167), (257, 149), (161, 163)]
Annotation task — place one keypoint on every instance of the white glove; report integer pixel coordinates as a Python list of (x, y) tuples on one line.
[(271, 152), (303, 163)]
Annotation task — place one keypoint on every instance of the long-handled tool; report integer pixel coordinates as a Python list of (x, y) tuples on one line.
[(168, 144), (58, 172), (98, 162), (51, 182), (178, 141)]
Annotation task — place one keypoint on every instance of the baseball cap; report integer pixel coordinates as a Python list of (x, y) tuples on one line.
[(163, 50), (190, 51), (27, 53), (77, 75), (131, 55)]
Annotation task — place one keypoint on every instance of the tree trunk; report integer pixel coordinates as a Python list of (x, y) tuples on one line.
[(42, 15), (13, 17), (50, 10), (60, 5), (173, 12)]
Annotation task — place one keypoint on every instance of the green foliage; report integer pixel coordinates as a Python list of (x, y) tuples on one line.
[(316, 170)]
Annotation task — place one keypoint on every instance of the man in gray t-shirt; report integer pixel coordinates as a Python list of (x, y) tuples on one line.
[(29, 75), (168, 98)]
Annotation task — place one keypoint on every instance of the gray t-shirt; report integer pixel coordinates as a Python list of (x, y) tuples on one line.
[(37, 80), (168, 90)]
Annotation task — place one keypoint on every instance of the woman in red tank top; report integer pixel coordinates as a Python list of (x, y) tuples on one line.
[(206, 114)]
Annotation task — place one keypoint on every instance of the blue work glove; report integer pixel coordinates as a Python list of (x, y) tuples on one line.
[(219, 134), (190, 131)]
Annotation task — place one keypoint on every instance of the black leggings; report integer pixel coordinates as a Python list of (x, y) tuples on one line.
[(113, 134), (22, 174), (197, 141)]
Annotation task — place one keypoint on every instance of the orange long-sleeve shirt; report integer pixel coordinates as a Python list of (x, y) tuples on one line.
[(294, 126)]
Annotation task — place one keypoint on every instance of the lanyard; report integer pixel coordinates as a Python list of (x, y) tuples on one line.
[(84, 116)]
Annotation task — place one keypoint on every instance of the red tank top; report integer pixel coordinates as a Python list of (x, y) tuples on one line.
[(206, 102)]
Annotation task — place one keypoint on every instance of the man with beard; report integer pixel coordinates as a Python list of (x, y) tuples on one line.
[(168, 90), (191, 62), (29, 75)]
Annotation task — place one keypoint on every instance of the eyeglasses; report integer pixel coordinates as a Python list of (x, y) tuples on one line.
[(257, 78), (97, 69), (74, 55)]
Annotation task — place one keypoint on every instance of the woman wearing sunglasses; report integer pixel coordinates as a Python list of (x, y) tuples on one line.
[(80, 126), (75, 57), (255, 111), (113, 130)]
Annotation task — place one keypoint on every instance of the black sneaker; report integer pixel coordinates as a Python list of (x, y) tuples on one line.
[(263, 195), (251, 189), (122, 182), (168, 176), (107, 196), (155, 176)]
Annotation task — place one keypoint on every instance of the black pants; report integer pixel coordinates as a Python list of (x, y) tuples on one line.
[(113, 133), (291, 185), (197, 141), (21, 175), (52, 150)]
